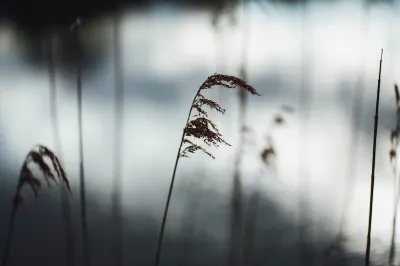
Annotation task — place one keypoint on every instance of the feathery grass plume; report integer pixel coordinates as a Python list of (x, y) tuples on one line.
[(65, 204), (394, 145), (267, 156), (200, 127), (371, 201), (37, 157), (75, 28)]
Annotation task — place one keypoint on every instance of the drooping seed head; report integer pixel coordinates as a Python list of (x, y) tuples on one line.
[(202, 128), (27, 177)]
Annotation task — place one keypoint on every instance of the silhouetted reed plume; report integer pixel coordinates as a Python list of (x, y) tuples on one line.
[(371, 202), (200, 127), (26, 177), (394, 142)]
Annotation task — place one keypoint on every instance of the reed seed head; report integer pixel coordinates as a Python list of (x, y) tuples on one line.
[(268, 152), (200, 126), (392, 155), (279, 120), (394, 134), (26, 176), (267, 155)]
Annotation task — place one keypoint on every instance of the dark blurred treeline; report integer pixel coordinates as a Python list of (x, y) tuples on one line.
[(38, 15), (37, 21)]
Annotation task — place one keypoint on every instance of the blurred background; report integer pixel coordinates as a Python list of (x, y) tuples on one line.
[(294, 187)]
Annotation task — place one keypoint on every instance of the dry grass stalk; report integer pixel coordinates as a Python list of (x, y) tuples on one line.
[(37, 157), (66, 212), (235, 249), (267, 156), (200, 127), (116, 209), (394, 143), (371, 202), (86, 246)]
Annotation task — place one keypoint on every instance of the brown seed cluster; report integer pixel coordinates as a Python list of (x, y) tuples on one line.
[(268, 153), (200, 126), (394, 135), (37, 156)]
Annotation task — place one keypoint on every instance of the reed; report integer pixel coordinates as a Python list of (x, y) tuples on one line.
[(200, 127), (36, 156), (65, 204), (371, 199), (394, 141), (75, 27)]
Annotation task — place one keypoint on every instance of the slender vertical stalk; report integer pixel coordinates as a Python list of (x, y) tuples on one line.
[(86, 247), (119, 100), (7, 247), (393, 244), (392, 249), (305, 102), (371, 202), (396, 190), (65, 205), (236, 220)]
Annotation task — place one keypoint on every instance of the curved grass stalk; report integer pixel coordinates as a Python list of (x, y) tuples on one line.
[(26, 177), (200, 128)]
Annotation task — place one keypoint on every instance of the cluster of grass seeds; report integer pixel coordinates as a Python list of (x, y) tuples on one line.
[(27, 178), (36, 156), (66, 210), (394, 145), (199, 127)]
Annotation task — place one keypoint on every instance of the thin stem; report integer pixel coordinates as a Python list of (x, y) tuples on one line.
[(164, 219), (119, 100), (371, 202), (7, 247), (66, 212), (396, 192), (86, 248), (236, 220), (392, 241)]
